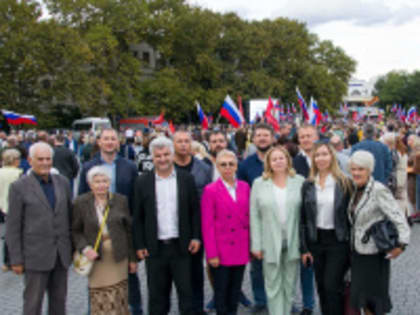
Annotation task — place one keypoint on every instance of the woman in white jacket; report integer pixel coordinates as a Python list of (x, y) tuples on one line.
[(372, 202)]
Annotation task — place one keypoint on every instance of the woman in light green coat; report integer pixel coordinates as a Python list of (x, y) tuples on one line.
[(275, 209)]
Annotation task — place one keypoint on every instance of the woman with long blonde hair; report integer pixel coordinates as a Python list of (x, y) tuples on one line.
[(275, 206), (324, 225)]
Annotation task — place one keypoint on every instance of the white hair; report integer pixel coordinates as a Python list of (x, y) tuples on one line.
[(224, 153), (98, 170), (364, 159), (161, 142), (40, 145), (389, 138)]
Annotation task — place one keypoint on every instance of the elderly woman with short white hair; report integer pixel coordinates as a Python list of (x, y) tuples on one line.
[(372, 202), (115, 255)]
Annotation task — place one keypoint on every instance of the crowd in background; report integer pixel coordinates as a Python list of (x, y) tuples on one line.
[(293, 204)]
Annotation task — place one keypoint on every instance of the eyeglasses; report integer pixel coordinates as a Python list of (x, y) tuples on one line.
[(226, 164)]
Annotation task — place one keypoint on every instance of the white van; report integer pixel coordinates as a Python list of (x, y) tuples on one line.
[(91, 124)]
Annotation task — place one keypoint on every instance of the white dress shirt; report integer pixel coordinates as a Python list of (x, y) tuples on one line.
[(167, 206), (325, 203), (231, 189)]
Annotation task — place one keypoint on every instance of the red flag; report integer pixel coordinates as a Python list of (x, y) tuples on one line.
[(269, 116), (159, 120), (241, 109), (171, 127)]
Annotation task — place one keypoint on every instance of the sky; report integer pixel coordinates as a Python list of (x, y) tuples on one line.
[(381, 35)]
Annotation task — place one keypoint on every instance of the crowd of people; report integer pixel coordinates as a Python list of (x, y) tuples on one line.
[(297, 205)]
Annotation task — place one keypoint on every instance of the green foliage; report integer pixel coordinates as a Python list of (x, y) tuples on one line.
[(399, 87), (85, 52)]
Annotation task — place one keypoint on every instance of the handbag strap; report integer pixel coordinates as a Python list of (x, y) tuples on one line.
[(101, 229)]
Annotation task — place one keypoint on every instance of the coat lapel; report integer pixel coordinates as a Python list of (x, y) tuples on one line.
[(362, 200), (224, 192), (57, 192), (36, 188)]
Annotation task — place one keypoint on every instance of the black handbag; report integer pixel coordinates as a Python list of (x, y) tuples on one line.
[(385, 236)]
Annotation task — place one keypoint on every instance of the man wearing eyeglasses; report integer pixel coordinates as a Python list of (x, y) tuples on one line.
[(251, 168)]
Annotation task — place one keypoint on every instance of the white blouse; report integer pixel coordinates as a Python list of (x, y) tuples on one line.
[(280, 194), (325, 203)]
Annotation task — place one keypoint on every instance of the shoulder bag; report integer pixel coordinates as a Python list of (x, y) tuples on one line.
[(82, 265)]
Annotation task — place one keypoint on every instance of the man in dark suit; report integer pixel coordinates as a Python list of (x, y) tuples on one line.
[(307, 136), (123, 176), (166, 229), (38, 233), (64, 159), (184, 160)]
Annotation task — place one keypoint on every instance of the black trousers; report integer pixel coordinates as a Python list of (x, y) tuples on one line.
[(227, 288), (167, 266), (331, 262), (197, 277)]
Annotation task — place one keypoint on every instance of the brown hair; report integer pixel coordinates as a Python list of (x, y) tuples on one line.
[(400, 146), (268, 172), (335, 170)]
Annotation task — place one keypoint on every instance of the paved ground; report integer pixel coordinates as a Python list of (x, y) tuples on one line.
[(405, 291)]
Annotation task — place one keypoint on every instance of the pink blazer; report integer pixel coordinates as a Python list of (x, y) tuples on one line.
[(225, 223)]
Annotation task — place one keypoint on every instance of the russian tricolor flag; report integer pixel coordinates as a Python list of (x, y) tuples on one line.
[(411, 114), (314, 113), (203, 118), (302, 104), (231, 113), (13, 118)]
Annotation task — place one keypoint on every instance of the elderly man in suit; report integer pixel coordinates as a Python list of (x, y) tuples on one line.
[(166, 229), (38, 233)]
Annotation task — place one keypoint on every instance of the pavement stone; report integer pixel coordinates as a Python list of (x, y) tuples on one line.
[(405, 291)]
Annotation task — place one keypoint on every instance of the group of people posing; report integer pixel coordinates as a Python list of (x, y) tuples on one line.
[(289, 217)]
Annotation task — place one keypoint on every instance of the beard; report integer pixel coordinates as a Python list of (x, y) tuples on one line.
[(264, 149)]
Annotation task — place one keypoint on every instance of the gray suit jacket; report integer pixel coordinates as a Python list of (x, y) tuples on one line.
[(37, 234), (85, 225)]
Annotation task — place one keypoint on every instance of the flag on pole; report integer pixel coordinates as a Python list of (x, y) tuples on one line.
[(302, 104), (269, 115), (13, 118), (241, 109), (315, 115), (411, 114), (159, 120), (171, 127), (203, 118), (231, 112)]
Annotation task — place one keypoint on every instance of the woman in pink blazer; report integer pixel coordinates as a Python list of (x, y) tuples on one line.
[(225, 228)]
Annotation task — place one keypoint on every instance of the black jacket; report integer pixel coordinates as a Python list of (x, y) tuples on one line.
[(300, 164), (309, 211), (65, 162), (145, 223)]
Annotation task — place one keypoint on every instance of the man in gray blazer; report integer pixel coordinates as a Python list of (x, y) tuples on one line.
[(38, 233)]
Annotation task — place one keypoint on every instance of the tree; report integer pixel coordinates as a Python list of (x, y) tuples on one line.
[(41, 62)]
